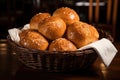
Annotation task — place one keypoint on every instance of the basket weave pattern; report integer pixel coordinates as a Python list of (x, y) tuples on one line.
[(57, 61)]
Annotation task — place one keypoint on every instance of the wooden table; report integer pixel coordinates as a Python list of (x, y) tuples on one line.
[(12, 69)]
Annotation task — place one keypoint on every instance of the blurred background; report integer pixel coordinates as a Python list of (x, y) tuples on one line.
[(16, 13)]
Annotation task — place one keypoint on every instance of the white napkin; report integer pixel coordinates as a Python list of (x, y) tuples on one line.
[(105, 50), (26, 26), (14, 32)]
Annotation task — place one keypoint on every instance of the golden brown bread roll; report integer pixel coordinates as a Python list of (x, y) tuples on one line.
[(67, 14), (81, 34), (62, 44), (33, 40), (52, 27), (36, 19)]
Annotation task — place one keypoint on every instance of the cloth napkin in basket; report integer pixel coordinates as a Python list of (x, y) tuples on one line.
[(105, 49), (14, 32)]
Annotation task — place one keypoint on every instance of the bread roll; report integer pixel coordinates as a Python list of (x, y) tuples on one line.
[(33, 40), (52, 28), (81, 34), (62, 44), (67, 14), (36, 19)]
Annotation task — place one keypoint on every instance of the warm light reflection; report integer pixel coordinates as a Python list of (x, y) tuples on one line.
[(14, 53), (3, 45), (103, 69)]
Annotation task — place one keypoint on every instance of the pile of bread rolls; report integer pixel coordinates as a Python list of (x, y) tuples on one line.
[(61, 31)]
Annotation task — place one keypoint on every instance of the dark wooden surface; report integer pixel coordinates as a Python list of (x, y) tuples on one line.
[(12, 69)]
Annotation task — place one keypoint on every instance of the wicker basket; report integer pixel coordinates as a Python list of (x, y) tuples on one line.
[(57, 61)]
